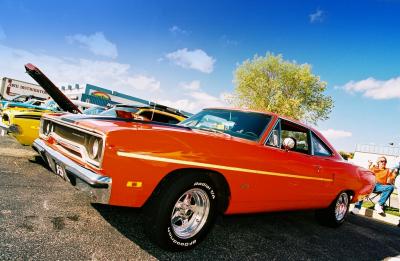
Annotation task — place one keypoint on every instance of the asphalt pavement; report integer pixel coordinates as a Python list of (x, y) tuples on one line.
[(44, 218)]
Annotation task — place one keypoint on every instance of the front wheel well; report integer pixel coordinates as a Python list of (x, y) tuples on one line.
[(5, 118), (350, 193), (223, 191)]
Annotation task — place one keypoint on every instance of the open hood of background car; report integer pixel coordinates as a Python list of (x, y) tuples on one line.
[(62, 101)]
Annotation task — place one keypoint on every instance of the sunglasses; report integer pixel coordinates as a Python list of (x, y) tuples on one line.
[(382, 161)]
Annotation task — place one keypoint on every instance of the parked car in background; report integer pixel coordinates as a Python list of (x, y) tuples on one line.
[(20, 99), (32, 103), (22, 121), (219, 161), (151, 113), (95, 110)]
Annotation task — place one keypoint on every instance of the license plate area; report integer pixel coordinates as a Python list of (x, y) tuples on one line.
[(60, 170), (57, 167)]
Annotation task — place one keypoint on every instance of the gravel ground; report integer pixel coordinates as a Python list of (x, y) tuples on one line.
[(44, 218)]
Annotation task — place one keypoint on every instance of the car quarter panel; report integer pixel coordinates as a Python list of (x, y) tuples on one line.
[(25, 124)]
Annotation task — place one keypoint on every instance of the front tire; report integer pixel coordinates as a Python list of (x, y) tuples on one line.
[(336, 213), (181, 214)]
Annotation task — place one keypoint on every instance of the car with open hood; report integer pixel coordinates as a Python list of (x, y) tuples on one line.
[(22, 120), (219, 161)]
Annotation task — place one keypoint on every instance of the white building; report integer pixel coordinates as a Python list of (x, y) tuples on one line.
[(103, 97), (366, 152)]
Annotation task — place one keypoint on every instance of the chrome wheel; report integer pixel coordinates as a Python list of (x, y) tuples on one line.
[(342, 204), (190, 213)]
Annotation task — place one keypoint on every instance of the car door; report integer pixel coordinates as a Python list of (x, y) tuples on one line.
[(327, 168), (299, 181)]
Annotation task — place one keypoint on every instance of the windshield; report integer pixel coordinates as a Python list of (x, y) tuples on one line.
[(112, 111), (246, 125)]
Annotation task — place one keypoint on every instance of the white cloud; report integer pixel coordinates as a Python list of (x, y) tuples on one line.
[(141, 82), (2, 34), (193, 85), (108, 74), (177, 30), (318, 16), (375, 89), (196, 59), (336, 134), (95, 43), (63, 71), (195, 101)]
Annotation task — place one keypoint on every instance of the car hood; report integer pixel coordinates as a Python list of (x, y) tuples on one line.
[(105, 124), (62, 101)]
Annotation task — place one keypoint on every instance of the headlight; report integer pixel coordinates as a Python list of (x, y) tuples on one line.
[(94, 147), (48, 127)]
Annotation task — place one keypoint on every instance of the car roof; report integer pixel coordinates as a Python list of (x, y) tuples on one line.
[(267, 113), (282, 117)]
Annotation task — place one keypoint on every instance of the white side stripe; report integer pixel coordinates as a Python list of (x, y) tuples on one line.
[(207, 165)]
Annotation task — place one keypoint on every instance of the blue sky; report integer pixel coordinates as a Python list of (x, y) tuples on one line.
[(183, 53)]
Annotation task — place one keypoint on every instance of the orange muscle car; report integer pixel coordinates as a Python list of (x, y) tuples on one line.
[(219, 161)]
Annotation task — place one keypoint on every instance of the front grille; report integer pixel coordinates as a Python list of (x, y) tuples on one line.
[(71, 134), (72, 140)]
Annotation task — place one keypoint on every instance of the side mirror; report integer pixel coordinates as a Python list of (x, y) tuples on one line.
[(289, 143)]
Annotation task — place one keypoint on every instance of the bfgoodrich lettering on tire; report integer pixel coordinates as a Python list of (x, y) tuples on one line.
[(181, 214), (336, 213)]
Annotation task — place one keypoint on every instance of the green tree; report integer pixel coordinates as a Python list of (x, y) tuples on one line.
[(346, 155), (273, 84)]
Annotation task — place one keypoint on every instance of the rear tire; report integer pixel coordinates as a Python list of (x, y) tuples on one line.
[(182, 213), (336, 213)]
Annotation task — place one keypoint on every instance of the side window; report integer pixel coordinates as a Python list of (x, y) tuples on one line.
[(274, 137), (319, 147), (298, 133)]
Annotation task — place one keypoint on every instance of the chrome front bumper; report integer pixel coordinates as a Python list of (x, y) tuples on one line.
[(97, 186)]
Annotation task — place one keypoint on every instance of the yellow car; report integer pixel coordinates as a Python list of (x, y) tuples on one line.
[(22, 124), (22, 119)]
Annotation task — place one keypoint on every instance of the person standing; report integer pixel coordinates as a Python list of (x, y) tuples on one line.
[(384, 184)]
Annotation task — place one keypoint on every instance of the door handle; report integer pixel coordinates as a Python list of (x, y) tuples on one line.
[(318, 168)]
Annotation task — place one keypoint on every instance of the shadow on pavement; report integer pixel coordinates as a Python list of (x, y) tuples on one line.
[(283, 235), (39, 160)]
